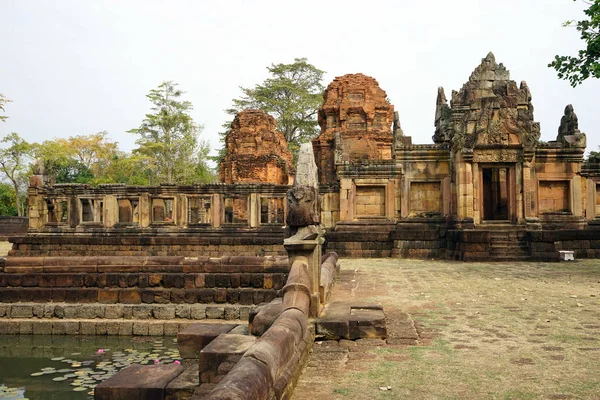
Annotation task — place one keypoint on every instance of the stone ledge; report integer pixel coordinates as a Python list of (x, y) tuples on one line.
[(111, 327)]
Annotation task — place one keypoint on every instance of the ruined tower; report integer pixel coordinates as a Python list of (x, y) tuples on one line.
[(256, 152), (356, 124)]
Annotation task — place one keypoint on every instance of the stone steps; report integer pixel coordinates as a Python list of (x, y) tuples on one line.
[(116, 327), (113, 319), (506, 244)]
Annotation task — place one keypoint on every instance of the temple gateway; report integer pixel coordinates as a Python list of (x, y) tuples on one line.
[(486, 187)]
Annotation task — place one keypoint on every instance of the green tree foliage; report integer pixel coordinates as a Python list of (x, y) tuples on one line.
[(587, 62), (593, 158), (3, 101), (78, 159), (8, 205), (131, 169), (14, 164), (292, 95), (169, 139)]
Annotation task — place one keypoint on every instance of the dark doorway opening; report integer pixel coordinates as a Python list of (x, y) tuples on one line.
[(495, 194)]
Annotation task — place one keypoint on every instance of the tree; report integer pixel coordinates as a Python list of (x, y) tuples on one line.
[(7, 200), (587, 62), (3, 101), (169, 138), (14, 161), (293, 95), (131, 169), (78, 159), (592, 158)]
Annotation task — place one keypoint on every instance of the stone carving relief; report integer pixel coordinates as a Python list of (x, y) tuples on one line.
[(489, 110)]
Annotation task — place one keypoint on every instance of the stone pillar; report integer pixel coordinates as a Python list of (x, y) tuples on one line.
[(590, 211), (576, 194), (477, 198), (111, 211), (254, 210), (215, 209), (180, 210), (144, 212), (346, 198), (519, 185), (303, 219), (390, 199), (36, 211)]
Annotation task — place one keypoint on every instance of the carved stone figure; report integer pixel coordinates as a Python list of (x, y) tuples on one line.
[(568, 131), (303, 198)]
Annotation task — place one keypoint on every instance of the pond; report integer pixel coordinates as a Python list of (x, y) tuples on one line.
[(40, 367)]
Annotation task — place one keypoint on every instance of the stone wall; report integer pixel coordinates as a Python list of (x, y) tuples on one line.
[(545, 245), (419, 239), (213, 244), (61, 290), (361, 239), (10, 226)]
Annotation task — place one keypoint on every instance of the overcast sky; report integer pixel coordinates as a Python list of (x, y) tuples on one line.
[(77, 67)]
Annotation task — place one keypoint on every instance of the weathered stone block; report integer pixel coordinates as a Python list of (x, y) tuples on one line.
[(125, 328), (219, 349), (198, 311), (42, 327), (140, 328), (21, 311), (195, 337), (164, 312), (87, 327), (141, 312), (138, 382), (215, 312), (130, 296)]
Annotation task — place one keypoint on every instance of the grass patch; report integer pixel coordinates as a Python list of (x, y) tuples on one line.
[(342, 391)]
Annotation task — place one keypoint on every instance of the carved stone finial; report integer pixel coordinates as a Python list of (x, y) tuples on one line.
[(568, 131), (442, 118), (397, 129), (38, 167), (303, 198), (569, 125), (490, 58)]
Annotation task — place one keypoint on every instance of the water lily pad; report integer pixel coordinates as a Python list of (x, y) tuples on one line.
[(79, 389), (59, 379), (57, 358), (75, 354), (37, 374)]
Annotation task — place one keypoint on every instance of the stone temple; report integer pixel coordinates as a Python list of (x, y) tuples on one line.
[(486, 187), (259, 248)]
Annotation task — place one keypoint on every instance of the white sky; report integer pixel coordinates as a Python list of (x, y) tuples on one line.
[(77, 67)]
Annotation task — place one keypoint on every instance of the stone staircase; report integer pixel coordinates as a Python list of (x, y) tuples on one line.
[(507, 242)]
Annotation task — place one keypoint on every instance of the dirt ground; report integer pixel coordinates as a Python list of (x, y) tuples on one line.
[(4, 248), (485, 331)]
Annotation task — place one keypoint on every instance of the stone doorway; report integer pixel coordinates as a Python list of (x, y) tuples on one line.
[(496, 193)]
